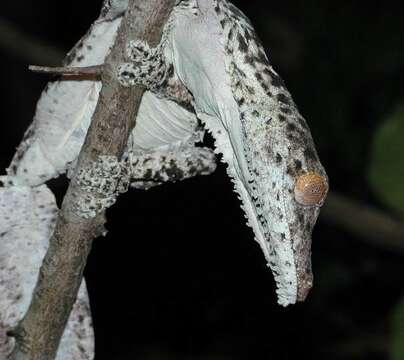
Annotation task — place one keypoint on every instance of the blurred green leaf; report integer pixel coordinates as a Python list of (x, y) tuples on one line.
[(386, 174), (397, 350)]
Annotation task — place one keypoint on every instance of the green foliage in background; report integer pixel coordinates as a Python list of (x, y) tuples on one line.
[(386, 177), (398, 332), (386, 173)]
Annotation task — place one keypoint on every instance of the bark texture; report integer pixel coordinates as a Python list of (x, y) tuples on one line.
[(39, 333)]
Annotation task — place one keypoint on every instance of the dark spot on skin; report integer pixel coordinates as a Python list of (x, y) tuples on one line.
[(128, 75), (277, 81), (277, 197), (242, 44), (89, 47), (248, 36), (231, 34), (217, 9), (249, 59), (240, 101), (308, 228), (302, 122), (80, 58), (285, 110), (291, 127), (283, 236), (262, 58), (290, 170), (266, 89), (273, 185), (310, 153), (258, 76), (281, 118), (298, 165), (283, 99), (250, 90), (174, 172), (240, 72), (170, 71), (278, 158), (222, 23)]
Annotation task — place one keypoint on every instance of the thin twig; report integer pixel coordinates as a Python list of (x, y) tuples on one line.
[(95, 70), (368, 223), (39, 333)]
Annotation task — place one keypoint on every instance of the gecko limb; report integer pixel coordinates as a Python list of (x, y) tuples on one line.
[(150, 68), (152, 169), (102, 181), (147, 66)]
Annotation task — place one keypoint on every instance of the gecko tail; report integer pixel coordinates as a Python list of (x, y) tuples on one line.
[(27, 219)]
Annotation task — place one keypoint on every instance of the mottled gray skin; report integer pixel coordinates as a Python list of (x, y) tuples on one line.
[(277, 140), (267, 144), (152, 169)]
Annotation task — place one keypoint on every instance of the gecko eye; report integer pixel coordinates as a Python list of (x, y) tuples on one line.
[(311, 189)]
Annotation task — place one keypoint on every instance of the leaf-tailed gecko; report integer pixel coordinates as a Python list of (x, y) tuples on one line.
[(214, 51), (210, 48)]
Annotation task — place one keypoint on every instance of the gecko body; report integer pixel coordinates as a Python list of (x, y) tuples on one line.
[(214, 69), (258, 129)]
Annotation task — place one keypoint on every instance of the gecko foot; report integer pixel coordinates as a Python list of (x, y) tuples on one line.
[(147, 67), (103, 181)]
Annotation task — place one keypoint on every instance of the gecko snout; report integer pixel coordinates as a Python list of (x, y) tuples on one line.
[(311, 189)]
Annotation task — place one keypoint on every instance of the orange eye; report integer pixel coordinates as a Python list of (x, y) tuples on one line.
[(311, 189)]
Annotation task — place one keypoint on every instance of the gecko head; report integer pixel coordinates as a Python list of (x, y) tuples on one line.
[(282, 185)]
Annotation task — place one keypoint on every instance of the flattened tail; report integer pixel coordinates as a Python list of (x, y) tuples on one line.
[(27, 218)]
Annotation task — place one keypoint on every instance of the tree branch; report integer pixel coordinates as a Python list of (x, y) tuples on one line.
[(368, 223), (39, 332), (382, 234)]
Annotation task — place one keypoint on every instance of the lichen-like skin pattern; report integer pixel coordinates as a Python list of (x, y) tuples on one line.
[(106, 177), (258, 129), (51, 146), (65, 108), (210, 65), (27, 221), (151, 169)]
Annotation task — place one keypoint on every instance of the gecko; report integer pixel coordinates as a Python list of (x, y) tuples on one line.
[(265, 142), (210, 48)]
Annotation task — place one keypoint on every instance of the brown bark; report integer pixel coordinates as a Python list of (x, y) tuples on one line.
[(38, 334)]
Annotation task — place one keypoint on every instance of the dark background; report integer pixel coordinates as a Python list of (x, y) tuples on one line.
[(179, 275)]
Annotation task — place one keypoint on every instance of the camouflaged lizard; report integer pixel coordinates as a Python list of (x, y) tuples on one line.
[(244, 103), (210, 66)]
